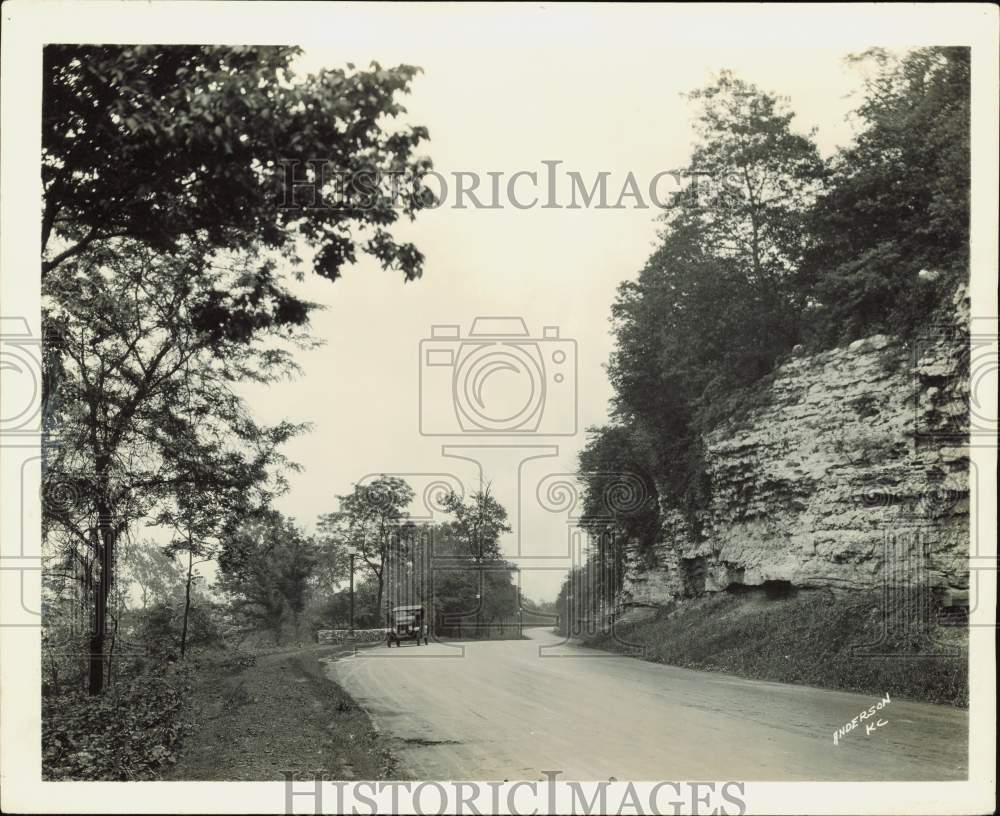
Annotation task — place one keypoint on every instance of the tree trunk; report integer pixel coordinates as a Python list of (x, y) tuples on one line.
[(83, 610), (111, 650), (96, 670), (187, 604), (106, 543)]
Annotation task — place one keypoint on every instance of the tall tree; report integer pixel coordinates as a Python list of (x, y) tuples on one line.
[(620, 498), (164, 143), (735, 237), (479, 523), (161, 165), (370, 519), (463, 581), (137, 359), (264, 566), (197, 519), (716, 304), (891, 232), (755, 179), (477, 527)]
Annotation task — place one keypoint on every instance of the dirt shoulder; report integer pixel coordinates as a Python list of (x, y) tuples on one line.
[(256, 715)]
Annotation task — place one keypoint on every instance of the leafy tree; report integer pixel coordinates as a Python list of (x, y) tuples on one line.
[(891, 232), (180, 157), (620, 498), (716, 304), (482, 594), (370, 519), (156, 574), (588, 595), (758, 178), (203, 509), (724, 275), (165, 172), (772, 248), (165, 143), (470, 579), (264, 566), (478, 524), (135, 366), (197, 519), (333, 610), (484, 589)]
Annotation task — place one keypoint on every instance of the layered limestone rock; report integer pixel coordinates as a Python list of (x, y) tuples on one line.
[(849, 471)]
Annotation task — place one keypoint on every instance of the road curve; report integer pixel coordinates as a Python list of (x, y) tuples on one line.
[(513, 709)]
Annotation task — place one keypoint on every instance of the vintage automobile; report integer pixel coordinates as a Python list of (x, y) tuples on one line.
[(406, 623)]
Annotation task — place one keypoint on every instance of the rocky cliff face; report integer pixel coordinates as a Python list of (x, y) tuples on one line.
[(850, 471)]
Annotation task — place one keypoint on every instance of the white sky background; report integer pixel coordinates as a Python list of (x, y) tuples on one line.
[(506, 108)]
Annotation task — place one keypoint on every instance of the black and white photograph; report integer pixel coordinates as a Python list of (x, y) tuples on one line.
[(501, 408)]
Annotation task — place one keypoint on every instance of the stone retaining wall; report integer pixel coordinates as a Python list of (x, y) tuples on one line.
[(358, 636)]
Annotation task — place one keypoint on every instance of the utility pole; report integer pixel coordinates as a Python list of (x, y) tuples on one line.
[(351, 552)]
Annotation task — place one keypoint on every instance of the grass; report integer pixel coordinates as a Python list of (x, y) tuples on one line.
[(222, 714), (818, 637), (259, 715)]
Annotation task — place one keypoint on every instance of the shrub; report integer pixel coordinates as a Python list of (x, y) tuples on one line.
[(128, 733)]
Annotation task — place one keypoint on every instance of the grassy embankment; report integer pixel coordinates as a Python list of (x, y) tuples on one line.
[(256, 716), (229, 714), (817, 637)]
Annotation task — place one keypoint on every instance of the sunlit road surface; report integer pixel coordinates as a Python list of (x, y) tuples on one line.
[(498, 710)]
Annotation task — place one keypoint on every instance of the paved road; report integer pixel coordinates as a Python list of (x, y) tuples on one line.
[(513, 709)]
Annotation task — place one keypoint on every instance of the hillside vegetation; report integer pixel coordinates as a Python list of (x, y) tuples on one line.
[(775, 253), (816, 637)]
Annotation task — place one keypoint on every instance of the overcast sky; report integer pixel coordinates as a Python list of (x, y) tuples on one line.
[(502, 109)]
